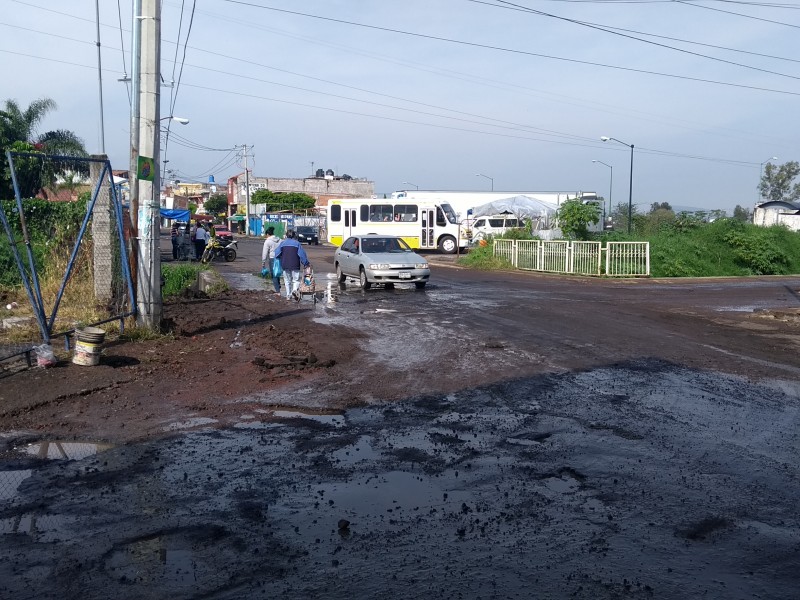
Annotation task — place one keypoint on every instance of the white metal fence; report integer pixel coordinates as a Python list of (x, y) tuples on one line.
[(614, 259)]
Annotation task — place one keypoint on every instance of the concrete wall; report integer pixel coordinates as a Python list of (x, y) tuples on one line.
[(766, 217), (319, 188)]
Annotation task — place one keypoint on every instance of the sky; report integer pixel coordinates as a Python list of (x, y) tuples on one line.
[(437, 94)]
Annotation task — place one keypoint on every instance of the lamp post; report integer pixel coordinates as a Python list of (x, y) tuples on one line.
[(610, 187), (182, 121), (761, 175), (487, 177), (409, 183), (630, 189)]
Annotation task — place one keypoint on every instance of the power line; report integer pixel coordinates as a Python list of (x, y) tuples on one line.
[(504, 4), (513, 51), (729, 12)]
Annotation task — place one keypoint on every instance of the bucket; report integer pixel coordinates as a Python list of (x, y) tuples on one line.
[(87, 353), (91, 335)]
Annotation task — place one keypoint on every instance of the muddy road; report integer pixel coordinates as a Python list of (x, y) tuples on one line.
[(495, 436)]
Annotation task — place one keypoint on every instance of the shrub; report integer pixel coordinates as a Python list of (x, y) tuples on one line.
[(179, 277)]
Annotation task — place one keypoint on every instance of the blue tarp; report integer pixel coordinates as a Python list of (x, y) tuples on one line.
[(176, 214)]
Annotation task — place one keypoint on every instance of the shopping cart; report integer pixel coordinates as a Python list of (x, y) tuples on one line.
[(308, 286)]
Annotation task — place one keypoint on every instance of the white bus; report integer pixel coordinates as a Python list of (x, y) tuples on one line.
[(423, 224)]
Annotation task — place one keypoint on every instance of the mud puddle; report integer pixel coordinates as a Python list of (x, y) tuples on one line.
[(639, 480)]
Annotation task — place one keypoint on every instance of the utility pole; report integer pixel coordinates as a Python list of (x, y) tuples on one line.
[(133, 180), (247, 194), (148, 284), (100, 80)]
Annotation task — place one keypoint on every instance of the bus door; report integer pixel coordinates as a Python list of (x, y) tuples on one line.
[(427, 238), (349, 222)]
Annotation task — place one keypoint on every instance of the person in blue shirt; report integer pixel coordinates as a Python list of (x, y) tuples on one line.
[(292, 256)]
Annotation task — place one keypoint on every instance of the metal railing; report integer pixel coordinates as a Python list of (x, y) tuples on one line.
[(614, 259)]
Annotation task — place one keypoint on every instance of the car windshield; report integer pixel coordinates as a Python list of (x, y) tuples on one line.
[(308, 230), (380, 245)]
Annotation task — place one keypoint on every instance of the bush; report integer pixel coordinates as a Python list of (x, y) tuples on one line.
[(482, 257), (179, 277)]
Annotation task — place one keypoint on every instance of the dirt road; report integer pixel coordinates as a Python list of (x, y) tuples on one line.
[(497, 435)]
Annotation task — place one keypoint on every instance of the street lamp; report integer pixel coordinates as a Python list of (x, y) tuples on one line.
[(181, 120), (761, 175), (610, 186), (630, 189), (409, 183), (487, 177)]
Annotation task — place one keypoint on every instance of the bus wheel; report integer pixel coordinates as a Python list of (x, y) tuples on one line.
[(365, 285), (447, 244), (339, 275)]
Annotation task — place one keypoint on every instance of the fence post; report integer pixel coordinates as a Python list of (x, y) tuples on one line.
[(102, 230)]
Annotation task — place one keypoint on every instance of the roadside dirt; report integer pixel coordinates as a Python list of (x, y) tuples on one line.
[(221, 348)]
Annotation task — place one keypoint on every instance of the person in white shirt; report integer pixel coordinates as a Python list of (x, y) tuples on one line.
[(200, 240), (268, 257)]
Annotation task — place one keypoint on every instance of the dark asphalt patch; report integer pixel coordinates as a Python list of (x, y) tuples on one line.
[(634, 481)]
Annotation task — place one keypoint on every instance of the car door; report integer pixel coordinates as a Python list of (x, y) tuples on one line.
[(346, 256)]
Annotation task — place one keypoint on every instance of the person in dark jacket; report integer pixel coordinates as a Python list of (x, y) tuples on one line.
[(292, 256)]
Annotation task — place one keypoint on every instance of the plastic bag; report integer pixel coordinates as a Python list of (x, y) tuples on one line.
[(277, 269), (264, 271), (44, 355)]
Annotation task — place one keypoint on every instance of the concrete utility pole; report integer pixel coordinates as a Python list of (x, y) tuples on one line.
[(148, 284), (133, 181), (246, 194)]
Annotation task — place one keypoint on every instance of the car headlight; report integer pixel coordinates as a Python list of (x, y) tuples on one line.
[(421, 266), (378, 266)]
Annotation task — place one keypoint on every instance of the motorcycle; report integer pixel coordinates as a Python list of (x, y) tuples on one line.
[(216, 248)]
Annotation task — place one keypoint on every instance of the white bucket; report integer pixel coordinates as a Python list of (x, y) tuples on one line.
[(87, 354)]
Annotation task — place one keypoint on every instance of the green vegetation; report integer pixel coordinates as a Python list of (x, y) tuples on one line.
[(52, 227), (686, 245), (17, 133), (179, 277), (483, 258), (574, 218), (777, 182), (216, 204), (282, 201)]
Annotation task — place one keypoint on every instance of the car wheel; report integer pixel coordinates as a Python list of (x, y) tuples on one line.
[(365, 284), (339, 275), (420, 285), (447, 244)]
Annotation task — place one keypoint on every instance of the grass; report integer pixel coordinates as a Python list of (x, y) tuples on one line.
[(482, 258), (179, 277)]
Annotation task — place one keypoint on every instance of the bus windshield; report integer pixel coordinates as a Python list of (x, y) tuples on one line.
[(449, 213)]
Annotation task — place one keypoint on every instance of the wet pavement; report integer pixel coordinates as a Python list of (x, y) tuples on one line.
[(641, 480), (621, 457)]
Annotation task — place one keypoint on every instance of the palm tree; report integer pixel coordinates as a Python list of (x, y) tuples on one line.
[(18, 133)]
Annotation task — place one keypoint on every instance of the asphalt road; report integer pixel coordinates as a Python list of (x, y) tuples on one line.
[(521, 436)]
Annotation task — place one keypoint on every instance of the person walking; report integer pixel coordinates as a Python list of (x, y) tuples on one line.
[(173, 234), (268, 257), (200, 240), (291, 254)]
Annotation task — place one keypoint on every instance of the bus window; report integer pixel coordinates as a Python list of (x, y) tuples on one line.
[(381, 212), (451, 215), (336, 212), (407, 213), (495, 222), (440, 222), (364, 213)]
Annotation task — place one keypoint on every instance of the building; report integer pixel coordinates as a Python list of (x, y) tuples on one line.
[(324, 186), (778, 212)]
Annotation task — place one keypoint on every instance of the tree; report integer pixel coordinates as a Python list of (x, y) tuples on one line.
[(619, 217), (656, 206), (216, 203), (742, 214), (574, 217), (776, 183), (282, 201), (18, 133)]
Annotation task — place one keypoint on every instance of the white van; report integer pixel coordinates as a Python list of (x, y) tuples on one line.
[(494, 225)]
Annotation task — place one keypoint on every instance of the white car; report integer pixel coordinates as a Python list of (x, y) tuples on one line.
[(380, 259)]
